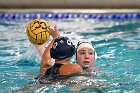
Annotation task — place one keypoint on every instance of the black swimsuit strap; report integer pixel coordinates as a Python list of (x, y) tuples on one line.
[(54, 70)]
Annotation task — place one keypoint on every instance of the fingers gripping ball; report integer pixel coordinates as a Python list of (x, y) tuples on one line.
[(37, 31)]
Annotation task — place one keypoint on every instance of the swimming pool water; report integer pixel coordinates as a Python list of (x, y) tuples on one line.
[(117, 43)]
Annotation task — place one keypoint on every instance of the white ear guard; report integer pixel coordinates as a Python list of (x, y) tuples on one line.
[(95, 54)]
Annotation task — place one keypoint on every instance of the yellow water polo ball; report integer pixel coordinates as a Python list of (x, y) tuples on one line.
[(37, 31)]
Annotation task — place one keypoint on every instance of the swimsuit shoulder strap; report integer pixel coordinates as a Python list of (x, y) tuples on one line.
[(54, 70)]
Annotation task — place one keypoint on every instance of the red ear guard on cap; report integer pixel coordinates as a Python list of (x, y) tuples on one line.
[(62, 48)]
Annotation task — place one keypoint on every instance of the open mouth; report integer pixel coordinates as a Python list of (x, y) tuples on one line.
[(86, 62)]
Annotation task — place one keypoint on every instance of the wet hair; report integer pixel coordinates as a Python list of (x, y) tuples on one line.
[(62, 48)]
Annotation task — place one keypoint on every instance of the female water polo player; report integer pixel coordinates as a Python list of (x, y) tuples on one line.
[(56, 58), (86, 56)]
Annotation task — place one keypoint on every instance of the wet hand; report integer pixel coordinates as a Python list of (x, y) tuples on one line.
[(54, 32)]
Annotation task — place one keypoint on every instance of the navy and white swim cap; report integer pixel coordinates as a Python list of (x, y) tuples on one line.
[(62, 48)]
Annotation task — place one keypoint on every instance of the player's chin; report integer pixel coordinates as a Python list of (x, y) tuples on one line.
[(86, 65)]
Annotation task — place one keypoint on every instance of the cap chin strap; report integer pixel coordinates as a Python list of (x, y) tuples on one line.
[(95, 54)]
